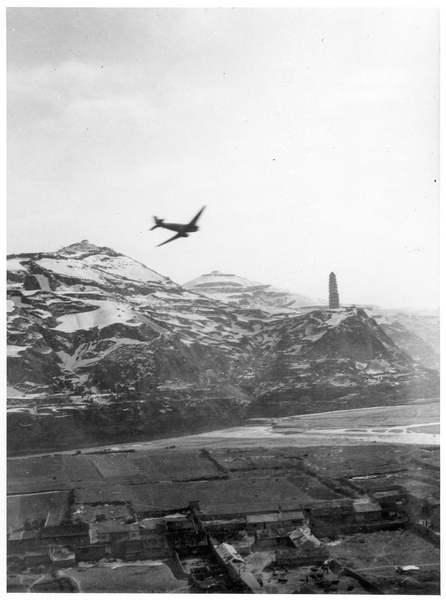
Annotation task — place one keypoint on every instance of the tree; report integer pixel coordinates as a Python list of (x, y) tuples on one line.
[(333, 296)]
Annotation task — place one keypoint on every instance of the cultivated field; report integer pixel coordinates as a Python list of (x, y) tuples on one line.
[(146, 577), (216, 496), (377, 555)]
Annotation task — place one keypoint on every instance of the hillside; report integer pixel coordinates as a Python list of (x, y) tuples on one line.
[(415, 332), (112, 349), (243, 293), (88, 319)]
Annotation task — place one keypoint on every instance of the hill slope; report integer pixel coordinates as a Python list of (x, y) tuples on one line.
[(244, 293), (112, 349), (417, 333)]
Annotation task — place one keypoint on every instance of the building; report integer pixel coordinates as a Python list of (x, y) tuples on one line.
[(184, 533), (242, 542), (153, 540), (66, 534), (20, 541), (331, 519), (366, 511), (62, 557), (112, 531), (224, 527), (281, 520), (390, 500), (306, 549), (92, 552), (430, 512), (236, 568)]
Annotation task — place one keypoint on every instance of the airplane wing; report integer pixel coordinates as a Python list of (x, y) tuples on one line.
[(195, 219), (175, 237)]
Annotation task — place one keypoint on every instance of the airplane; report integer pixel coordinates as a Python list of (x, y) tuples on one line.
[(182, 230)]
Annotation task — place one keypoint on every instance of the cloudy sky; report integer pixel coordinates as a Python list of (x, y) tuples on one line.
[(311, 135)]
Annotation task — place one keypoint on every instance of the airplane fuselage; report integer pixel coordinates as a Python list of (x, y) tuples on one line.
[(179, 228)]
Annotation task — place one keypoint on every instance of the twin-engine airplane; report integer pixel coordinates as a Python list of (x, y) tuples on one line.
[(183, 230)]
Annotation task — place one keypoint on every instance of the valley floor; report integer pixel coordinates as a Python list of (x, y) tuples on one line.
[(385, 459), (417, 422)]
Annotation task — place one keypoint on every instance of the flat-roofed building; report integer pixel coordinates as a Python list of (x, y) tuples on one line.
[(391, 498), (66, 534), (274, 520), (111, 531), (367, 511)]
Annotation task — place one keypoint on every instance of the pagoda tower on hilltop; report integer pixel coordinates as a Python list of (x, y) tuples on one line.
[(333, 296)]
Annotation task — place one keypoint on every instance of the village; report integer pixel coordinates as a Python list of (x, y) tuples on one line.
[(257, 520)]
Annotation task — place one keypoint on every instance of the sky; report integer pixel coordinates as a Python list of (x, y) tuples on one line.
[(311, 135)]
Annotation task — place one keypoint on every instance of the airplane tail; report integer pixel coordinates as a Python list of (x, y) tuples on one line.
[(158, 223)]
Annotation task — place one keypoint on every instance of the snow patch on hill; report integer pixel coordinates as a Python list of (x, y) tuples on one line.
[(109, 313), (15, 350), (71, 268), (14, 264), (336, 318), (124, 267)]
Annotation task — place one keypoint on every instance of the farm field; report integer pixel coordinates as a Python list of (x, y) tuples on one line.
[(175, 464), (296, 476), (236, 460), (106, 577), (364, 460), (147, 577), (377, 555), (237, 472), (50, 472), (62, 471), (215, 496)]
